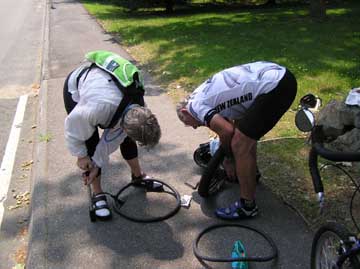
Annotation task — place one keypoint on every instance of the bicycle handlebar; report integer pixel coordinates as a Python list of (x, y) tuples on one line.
[(318, 149), (335, 155)]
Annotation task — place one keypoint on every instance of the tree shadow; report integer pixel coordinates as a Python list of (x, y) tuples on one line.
[(204, 45)]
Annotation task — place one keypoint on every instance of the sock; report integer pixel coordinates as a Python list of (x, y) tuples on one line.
[(248, 204)]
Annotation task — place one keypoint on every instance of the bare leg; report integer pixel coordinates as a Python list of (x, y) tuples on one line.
[(229, 166), (244, 149), (96, 185), (134, 167)]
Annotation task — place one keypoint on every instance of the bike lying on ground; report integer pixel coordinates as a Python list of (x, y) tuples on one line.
[(210, 156), (333, 245)]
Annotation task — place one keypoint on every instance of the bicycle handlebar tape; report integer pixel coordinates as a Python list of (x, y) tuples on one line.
[(336, 156), (318, 138), (314, 171)]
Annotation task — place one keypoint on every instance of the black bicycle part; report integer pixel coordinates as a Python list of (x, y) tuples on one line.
[(342, 251), (214, 177), (304, 120), (92, 215), (338, 166), (200, 257), (351, 208), (208, 179), (318, 149), (308, 101), (150, 186), (202, 155)]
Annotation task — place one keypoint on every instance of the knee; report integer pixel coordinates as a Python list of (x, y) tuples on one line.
[(129, 149), (242, 145)]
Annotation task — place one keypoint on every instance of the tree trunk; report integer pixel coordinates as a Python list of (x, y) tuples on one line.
[(317, 9), (271, 3), (169, 4)]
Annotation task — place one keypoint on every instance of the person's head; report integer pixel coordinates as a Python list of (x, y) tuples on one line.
[(141, 125), (185, 116)]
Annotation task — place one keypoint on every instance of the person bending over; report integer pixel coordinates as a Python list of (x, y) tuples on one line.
[(241, 104), (106, 92)]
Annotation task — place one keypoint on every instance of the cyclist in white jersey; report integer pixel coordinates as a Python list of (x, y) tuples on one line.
[(241, 104)]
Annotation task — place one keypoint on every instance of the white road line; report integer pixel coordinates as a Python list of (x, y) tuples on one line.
[(7, 163)]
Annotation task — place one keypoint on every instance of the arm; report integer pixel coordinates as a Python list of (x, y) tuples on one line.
[(225, 131), (80, 125), (77, 131)]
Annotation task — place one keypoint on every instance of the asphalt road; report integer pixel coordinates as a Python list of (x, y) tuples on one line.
[(61, 234), (21, 35)]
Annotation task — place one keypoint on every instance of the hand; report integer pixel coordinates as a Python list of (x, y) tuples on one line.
[(84, 163), (230, 170), (91, 175)]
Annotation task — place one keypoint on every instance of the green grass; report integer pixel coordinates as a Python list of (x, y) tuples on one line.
[(187, 47), (284, 166)]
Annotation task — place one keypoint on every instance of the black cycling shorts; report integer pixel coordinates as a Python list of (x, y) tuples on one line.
[(267, 109)]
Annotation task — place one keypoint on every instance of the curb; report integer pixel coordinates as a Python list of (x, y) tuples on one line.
[(40, 165)]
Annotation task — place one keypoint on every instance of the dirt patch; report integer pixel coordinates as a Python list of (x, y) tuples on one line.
[(15, 91), (20, 255)]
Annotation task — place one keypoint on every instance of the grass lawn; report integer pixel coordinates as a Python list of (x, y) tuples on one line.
[(184, 49)]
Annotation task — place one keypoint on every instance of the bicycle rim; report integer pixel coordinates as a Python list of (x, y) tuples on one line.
[(201, 157)]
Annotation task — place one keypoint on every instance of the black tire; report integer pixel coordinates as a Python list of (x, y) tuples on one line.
[(330, 238), (148, 185), (92, 215), (202, 155), (209, 177)]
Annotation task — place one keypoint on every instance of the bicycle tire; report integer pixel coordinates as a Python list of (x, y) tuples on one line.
[(269, 240), (330, 236), (118, 203), (202, 155), (209, 175)]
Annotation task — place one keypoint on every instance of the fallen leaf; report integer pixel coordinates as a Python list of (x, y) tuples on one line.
[(12, 207), (19, 266), (35, 86), (27, 163)]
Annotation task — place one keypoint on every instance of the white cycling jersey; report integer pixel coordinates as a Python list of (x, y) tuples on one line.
[(232, 91), (97, 99)]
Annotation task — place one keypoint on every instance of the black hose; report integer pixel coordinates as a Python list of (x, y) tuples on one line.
[(147, 184), (273, 255)]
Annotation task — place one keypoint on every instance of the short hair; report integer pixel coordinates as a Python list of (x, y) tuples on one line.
[(141, 125), (180, 105)]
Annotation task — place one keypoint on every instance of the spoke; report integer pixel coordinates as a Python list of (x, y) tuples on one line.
[(328, 253)]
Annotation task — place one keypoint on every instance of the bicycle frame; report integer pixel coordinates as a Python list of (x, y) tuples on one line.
[(352, 249)]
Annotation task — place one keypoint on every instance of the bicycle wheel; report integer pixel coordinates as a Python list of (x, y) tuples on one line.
[(212, 178), (328, 245), (202, 155)]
